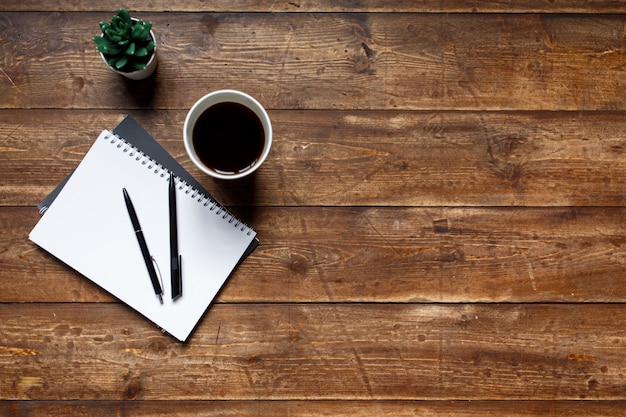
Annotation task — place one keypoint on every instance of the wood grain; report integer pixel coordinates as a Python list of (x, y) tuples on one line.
[(318, 352), (381, 255), (359, 158), (441, 217), (406, 6), (328, 61), (277, 408)]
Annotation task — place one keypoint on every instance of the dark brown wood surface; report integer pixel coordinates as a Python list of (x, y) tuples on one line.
[(442, 217)]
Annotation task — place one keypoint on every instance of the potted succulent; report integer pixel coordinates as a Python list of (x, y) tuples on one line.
[(128, 45)]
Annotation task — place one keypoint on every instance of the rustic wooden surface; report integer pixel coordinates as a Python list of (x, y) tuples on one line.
[(441, 217)]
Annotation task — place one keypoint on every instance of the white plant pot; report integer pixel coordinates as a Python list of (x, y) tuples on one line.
[(139, 74)]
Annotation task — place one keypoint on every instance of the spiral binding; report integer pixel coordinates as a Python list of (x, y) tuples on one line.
[(205, 199)]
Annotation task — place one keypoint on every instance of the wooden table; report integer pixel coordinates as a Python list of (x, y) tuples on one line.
[(441, 217)]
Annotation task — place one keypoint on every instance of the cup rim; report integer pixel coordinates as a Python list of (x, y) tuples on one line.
[(221, 96)]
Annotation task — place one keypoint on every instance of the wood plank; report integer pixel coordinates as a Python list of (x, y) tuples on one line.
[(381, 255), (310, 408), (449, 6), (359, 158), (441, 220), (328, 61), (318, 352)]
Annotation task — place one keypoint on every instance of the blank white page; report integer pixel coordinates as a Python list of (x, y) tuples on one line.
[(89, 229)]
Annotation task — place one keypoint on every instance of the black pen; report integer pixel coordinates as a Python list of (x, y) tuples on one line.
[(143, 246), (175, 257)]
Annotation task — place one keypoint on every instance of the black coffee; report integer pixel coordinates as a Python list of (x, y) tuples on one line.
[(228, 137)]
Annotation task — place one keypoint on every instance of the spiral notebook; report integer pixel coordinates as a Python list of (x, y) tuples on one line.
[(87, 226)]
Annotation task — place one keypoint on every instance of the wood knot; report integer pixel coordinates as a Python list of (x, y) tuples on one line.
[(505, 145), (503, 159), (133, 388), (298, 265), (254, 360), (452, 255), (369, 52)]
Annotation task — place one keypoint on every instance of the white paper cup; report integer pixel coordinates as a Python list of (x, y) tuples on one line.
[(194, 146)]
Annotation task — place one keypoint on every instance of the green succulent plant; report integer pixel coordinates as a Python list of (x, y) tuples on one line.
[(125, 43)]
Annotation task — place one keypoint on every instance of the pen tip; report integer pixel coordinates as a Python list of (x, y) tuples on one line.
[(160, 298)]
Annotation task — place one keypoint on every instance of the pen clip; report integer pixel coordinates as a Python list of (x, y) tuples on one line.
[(156, 264)]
